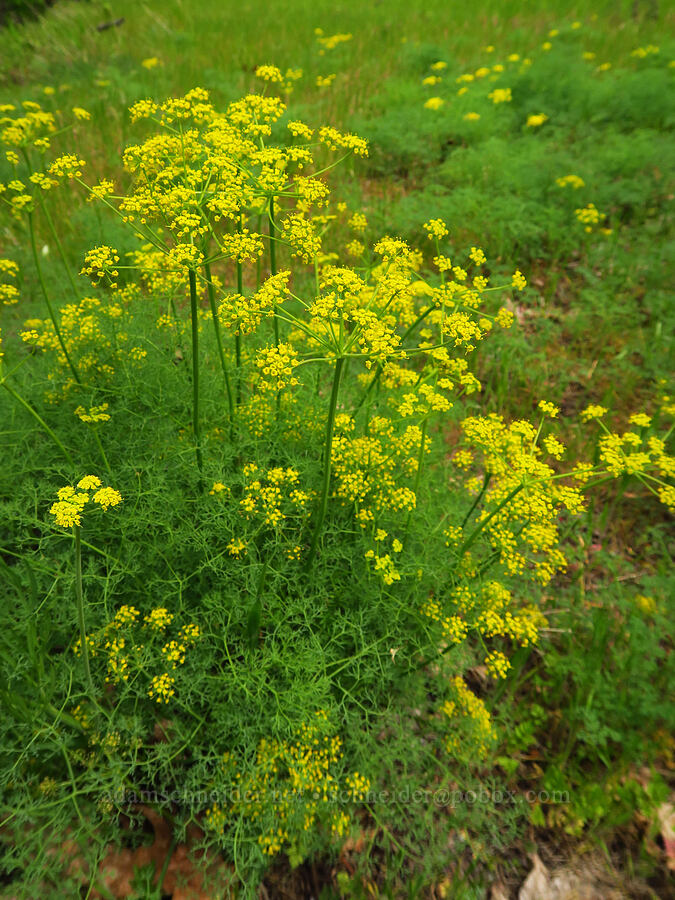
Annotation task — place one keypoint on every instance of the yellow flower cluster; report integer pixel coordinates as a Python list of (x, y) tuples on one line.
[(573, 181), (384, 566), (436, 228), (244, 314), (271, 496), (476, 734), (518, 280), (32, 128), (324, 81), (497, 664), (129, 646), (500, 95), (643, 52), (67, 166), (158, 619), (369, 470), (237, 547), (162, 688), (524, 499), (330, 42), (205, 167), (9, 293), (94, 414), (291, 789), (269, 73), (642, 454), (454, 628), (275, 367), (593, 412), (99, 263), (589, 216), (299, 232), (68, 509), (488, 611), (90, 339)]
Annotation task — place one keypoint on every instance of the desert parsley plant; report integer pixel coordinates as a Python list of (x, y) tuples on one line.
[(315, 538)]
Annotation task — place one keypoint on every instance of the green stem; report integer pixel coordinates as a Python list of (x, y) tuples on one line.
[(39, 418), (80, 605), (418, 475), (330, 424), (102, 451), (219, 342), (486, 481), (195, 373), (45, 294), (237, 337), (258, 265), (475, 533), (273, 264), (59, 247)]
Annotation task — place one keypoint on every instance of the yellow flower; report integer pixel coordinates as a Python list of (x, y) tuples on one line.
[(518, 280), (269, 73), (324, 81), (93, 415), (434, 103), (593, 412), (89, 483), (107, 497), (68, 509), (99, 262), (67, 166), (237, 547), (549, 409), (159, 618), (161, 688), (436, 228), (573, 181), (500, 95), (497, 664), (66, 514)]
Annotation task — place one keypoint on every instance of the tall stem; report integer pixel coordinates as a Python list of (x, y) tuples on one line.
[(45, 294), (237, 337), (59, 247), (474, 534), (328, 447), (195, 372), (418, 474), (273, 264), (80, 605), (38, 418), (102, 452), (479, 497), (219, 342), (258, 265)]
